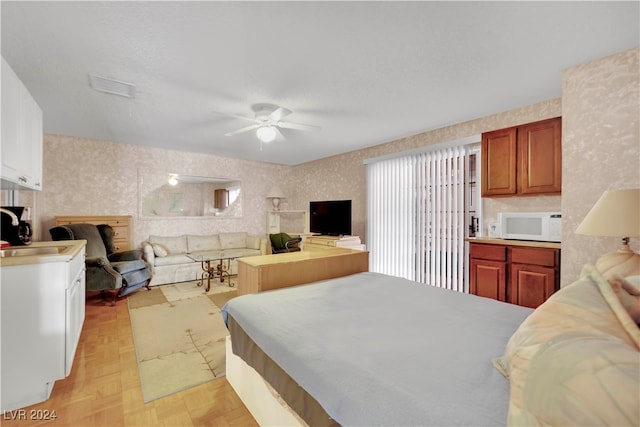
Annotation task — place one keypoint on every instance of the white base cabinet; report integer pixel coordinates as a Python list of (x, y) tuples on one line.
[(43, 309)]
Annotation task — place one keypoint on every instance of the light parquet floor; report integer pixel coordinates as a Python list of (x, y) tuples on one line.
[(103, 388)]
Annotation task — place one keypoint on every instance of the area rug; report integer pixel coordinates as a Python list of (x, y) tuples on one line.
[(179, 336)]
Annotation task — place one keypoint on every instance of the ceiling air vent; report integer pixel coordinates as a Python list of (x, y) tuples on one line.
[(114, 87)]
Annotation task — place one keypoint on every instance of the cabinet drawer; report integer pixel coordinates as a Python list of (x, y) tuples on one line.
[(120, 232), (120, 246), (535, 256), (491, 252), (321, 242)]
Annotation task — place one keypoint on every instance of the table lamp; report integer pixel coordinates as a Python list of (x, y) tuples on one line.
[(615, 214), (275, 194)]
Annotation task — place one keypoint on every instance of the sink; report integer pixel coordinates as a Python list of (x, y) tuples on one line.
[(49, 250)]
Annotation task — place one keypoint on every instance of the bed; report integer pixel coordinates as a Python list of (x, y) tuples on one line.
[(370, 349)]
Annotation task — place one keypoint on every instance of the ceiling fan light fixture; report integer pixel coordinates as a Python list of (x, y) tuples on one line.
[(266, 133)]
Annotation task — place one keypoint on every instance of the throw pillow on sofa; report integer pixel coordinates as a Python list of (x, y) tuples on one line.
[(160, 250)]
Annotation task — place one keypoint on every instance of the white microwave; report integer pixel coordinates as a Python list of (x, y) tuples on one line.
[(539, 226)]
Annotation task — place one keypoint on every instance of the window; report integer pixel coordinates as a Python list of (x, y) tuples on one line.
[(419, 213)]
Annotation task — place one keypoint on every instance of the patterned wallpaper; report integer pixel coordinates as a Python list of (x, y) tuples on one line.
[(344, 176), (600, 151), (84, 177), (600, 148)]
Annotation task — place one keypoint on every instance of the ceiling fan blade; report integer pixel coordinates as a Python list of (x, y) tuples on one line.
[(244, 129), (279, 136), (236, 116), (297, 126), (279, 114)]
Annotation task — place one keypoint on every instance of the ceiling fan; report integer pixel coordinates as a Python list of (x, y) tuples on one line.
[(268, 122)]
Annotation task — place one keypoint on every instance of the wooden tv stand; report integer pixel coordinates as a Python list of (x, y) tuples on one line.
[(267, 272)]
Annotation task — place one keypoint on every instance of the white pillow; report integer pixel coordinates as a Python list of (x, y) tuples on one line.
[(160, 250)]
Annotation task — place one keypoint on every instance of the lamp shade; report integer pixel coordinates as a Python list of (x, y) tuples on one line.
[(615, 214)]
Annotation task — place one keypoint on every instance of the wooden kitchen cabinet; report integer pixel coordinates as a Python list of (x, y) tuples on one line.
[(533, 275), (499, 160), (521, 275), (523, 160), (488, 273)]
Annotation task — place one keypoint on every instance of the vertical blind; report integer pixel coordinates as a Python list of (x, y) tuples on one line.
[(416, 216)]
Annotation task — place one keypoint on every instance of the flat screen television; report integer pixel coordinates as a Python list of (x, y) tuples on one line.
[(330, 217)]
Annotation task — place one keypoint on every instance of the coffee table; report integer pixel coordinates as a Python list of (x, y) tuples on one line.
[(217, 266)]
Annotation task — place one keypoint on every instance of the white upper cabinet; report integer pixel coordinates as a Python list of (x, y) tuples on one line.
[(21, 135)]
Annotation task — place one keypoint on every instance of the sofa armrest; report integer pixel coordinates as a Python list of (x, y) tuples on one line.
[(148, 255), (263, 246)]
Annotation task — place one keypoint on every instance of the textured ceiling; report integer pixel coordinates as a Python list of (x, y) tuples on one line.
[(365, 72)]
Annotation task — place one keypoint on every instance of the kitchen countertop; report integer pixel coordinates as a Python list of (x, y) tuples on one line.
[(528, 243), (67, 250)]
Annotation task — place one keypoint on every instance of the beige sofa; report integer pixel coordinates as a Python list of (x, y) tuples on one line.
[(168, 255)]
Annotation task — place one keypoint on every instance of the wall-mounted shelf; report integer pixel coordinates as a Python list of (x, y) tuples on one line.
[(289, 221)]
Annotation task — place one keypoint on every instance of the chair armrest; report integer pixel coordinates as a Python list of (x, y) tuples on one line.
[(293, 243), (100, 275), (130, 255), (96, 262)]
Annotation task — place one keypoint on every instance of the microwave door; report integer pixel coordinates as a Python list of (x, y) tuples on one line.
[(524, 228)]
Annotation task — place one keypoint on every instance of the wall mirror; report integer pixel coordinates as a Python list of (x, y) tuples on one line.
[(165, 195)]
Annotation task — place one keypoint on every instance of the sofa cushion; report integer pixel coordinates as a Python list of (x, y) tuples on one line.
[(203, 243), (233, 240), (173, 260), (241, 252), (204, 255), (175, 244), (253, 242)]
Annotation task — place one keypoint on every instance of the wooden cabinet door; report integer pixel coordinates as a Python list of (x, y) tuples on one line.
[(531, 285), (499, 162), (540, 157), (488, 279)]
